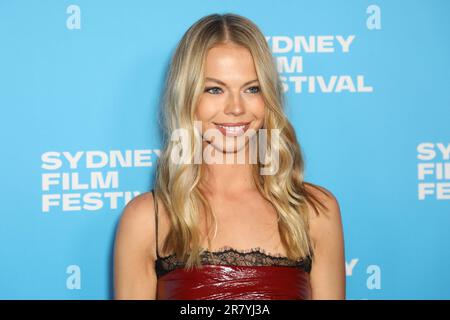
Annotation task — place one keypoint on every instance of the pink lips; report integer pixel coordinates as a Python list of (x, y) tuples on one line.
[(232, 124), (222, 127)]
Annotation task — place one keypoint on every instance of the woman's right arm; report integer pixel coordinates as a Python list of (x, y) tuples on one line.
[(134, 251)]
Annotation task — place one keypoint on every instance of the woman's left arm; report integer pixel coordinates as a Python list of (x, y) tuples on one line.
[(327, 275)]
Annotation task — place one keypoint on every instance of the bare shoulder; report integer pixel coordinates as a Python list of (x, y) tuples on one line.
[(139, 206), (328, 269), (134, 253), (137, 223), (330, 218), (326, 197)]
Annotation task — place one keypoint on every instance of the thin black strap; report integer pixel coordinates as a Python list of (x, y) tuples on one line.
[(156, 221)]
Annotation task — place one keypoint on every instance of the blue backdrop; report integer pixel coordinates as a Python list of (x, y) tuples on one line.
[(367, 90)]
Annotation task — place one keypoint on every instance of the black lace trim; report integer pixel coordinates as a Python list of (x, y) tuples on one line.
[(232, 257)]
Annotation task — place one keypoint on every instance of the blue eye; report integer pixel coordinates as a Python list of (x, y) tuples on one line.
[(257, 87), (207, 89)]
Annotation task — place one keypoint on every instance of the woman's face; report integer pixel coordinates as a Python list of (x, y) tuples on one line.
[(231, 102)]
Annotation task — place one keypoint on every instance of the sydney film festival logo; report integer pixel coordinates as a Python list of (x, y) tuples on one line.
[(433, 171), (89, 180)]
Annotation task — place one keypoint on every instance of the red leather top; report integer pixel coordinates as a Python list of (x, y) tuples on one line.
[(221, 282)]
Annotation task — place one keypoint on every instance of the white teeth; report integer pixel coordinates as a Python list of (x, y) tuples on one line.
[(233, 128)]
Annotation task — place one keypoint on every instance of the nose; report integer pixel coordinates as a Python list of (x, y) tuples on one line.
[(234, 105)]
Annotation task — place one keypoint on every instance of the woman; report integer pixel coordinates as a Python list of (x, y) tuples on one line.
[(211, 230)]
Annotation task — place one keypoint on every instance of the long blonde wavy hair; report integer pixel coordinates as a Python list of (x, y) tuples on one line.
[(177, 185)]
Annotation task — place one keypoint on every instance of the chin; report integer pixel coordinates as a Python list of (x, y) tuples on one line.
[(232, 147)]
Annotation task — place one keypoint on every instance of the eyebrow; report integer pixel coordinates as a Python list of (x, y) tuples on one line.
[(223, 83)]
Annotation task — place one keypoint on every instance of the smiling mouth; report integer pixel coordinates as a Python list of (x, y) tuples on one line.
[(232, 129)]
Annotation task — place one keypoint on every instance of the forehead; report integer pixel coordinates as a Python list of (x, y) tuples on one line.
[(229, 61)]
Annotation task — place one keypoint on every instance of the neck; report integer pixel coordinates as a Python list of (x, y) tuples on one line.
[(228, 178)]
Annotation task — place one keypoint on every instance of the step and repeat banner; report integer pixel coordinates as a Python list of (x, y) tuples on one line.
[(367, 88)]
